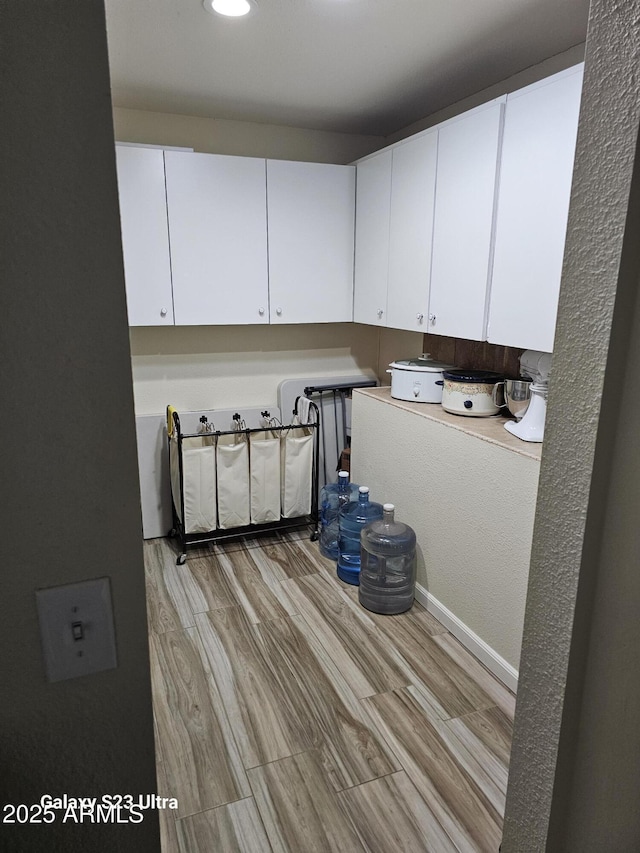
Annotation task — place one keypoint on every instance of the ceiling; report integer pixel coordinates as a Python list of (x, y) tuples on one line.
[(353, 66)]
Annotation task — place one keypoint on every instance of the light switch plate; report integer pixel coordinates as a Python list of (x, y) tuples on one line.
[(76, 627)]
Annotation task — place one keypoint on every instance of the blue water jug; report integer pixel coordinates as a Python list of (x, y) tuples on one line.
[(388, 570), (332, 497), (351, 519)]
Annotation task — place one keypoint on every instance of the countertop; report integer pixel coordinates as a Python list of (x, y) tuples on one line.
[(487, 429)]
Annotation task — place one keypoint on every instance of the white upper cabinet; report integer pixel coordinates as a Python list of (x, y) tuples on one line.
[(413, 180), (468, 150), (145, 239), (535, 184), (311, 209), (373, 208), (218, 230)]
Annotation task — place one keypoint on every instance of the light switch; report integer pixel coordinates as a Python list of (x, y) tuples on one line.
[(76, 627)]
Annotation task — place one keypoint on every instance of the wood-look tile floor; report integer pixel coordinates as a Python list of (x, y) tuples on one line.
[(288, 718)]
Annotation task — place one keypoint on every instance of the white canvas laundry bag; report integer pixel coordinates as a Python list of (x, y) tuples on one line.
[(233, 480), (198, 482), (296, 470), (264, 465)]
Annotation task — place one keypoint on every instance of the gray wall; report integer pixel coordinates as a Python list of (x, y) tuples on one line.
[(575, 770), (70, 502)]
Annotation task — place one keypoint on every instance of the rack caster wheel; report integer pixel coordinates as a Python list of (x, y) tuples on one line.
[(172, 533), (314, 536), (182, 559)]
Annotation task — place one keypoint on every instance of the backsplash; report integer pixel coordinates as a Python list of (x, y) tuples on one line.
[(474, 354)]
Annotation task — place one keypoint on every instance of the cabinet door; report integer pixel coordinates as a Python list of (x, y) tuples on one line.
[(145, 239), (463, 225), (311, 227), (373, 207), (218, 230), (413, 178), (533, 203)]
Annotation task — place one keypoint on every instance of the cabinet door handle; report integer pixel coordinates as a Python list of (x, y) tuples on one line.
[(279, 312), (419, 317), (163, 312), (432, 319), (380, 313), (261, 312)]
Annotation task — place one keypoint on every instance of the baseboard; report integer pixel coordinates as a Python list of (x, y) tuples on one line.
[(491, 659)]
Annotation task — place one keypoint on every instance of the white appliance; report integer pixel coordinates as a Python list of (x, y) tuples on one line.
[(418, 380), (536, 366), (471, 392)]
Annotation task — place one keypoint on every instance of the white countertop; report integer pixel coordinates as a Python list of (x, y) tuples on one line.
[(487, 429)]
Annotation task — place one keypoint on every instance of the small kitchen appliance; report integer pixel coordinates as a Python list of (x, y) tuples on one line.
[(417, 379), (470, 392), (516, 393), (536, 366)]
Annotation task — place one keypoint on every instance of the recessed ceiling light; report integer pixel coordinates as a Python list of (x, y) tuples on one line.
[(230, 8)]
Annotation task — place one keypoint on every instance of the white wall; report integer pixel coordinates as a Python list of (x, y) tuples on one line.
[(524, 78), (227, 366), (233, 366), (251, 139), (243, 138), (471, 504)]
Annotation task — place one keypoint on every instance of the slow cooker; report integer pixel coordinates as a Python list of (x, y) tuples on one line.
[(417, 379), (470, 392)]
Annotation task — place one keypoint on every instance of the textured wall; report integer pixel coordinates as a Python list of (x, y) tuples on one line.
[(471, 504), (70, 501), (575, 762)]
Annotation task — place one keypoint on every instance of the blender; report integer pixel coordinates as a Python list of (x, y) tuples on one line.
[(536, 366)]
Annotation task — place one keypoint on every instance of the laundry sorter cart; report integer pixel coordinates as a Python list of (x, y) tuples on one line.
[(242, 481)]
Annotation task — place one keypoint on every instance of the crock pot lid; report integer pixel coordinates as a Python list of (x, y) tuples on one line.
[(480, 376), (427, 365)]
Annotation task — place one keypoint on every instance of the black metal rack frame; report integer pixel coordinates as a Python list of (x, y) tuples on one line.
[(191, 539), (340, 391)]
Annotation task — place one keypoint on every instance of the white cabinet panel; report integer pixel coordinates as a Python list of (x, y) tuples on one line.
[(373, 207), (218, 231), (465, 200), (533, 203), (311, 209), (145, 239), (411, 232)]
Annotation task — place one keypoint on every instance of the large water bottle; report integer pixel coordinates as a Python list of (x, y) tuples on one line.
[(388, 571), (351, 519), (332, 497)]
